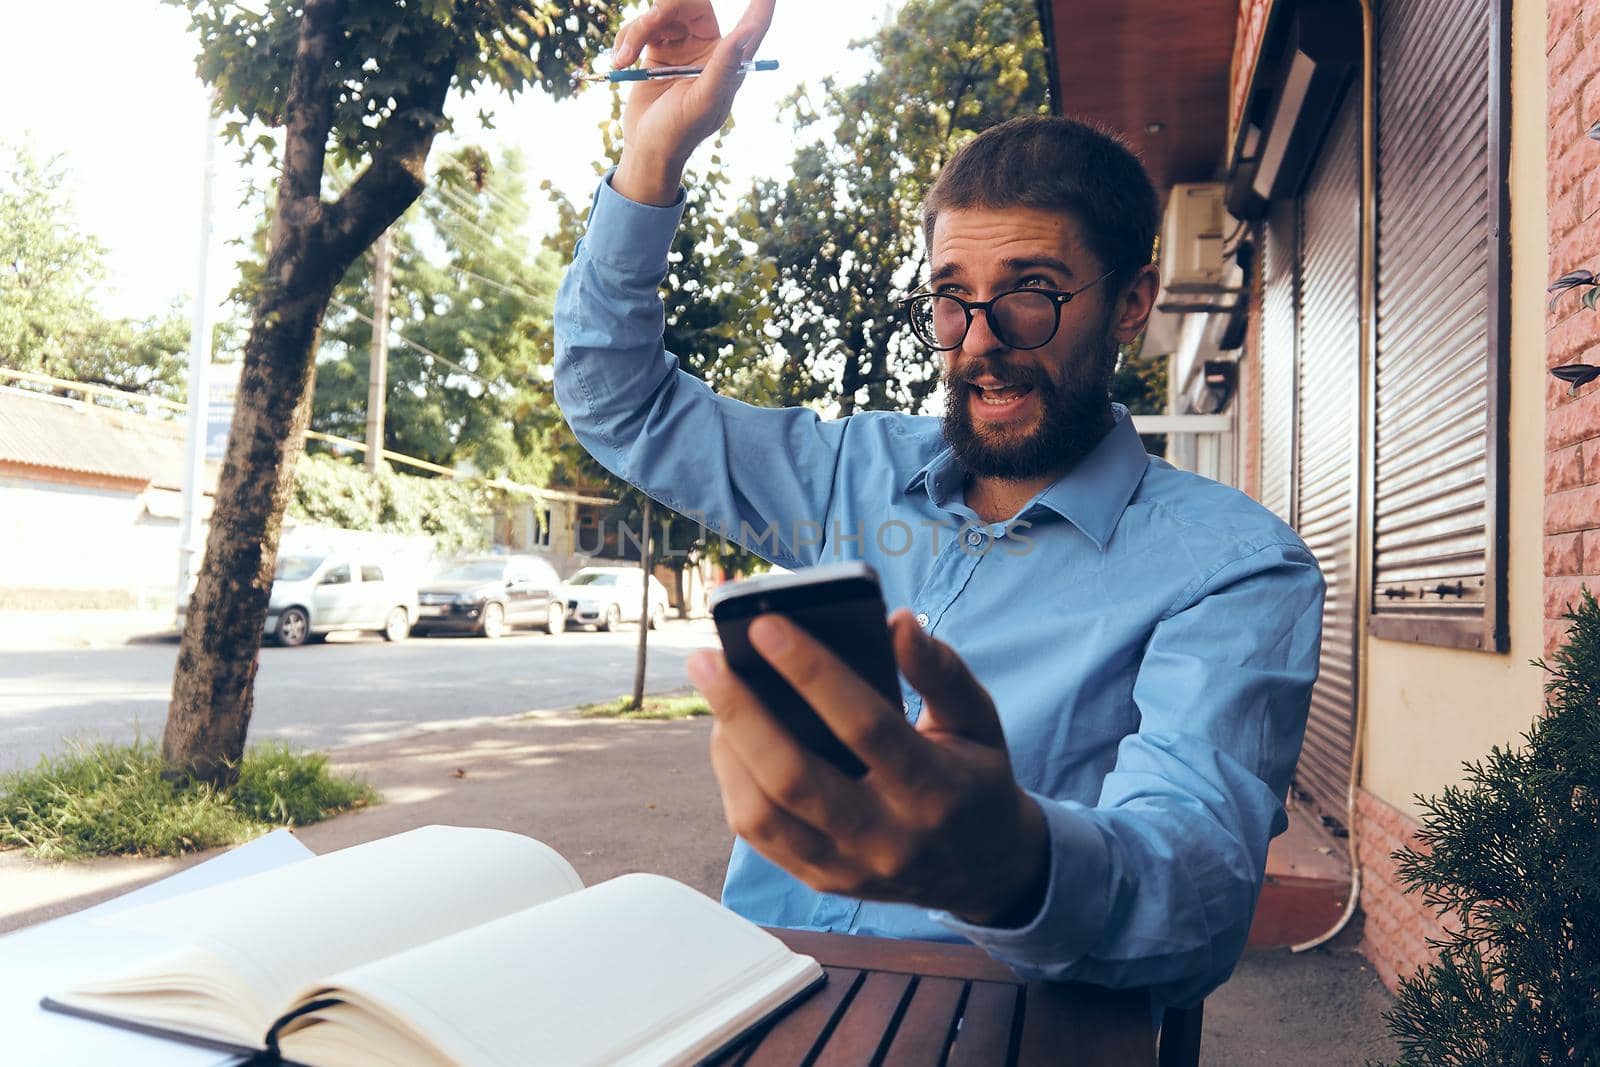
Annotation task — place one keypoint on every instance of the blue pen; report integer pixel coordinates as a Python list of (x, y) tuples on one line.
[(644, 74)]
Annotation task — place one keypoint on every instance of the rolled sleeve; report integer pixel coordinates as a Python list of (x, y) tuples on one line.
[(762, 477)]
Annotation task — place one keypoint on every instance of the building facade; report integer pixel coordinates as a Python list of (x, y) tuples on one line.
[(1394, 211)]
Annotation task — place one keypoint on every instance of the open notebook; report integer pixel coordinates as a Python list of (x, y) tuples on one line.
[(447, 945)]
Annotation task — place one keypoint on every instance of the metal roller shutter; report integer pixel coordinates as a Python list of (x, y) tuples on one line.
[(1279, 276), (1328, 443), (1438, 516)]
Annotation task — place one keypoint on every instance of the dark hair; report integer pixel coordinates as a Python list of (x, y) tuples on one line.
[(1057, 164)]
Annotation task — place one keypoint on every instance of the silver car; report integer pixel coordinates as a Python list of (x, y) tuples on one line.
[(312, 596), (605, 597)]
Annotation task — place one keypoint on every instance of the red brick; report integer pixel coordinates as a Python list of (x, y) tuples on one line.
[(1571, 250), (1563, 555), (1561, 22), (1591, 555), (1560, 592), (1558, 61), (1555, 634), (1590, 452), (1563, 469), (1572, 509), (1585, 206), (1570, 419), (1572, 329), (1569, 162)]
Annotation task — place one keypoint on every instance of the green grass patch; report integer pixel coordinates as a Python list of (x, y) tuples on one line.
[(667, 707), (101, 799)]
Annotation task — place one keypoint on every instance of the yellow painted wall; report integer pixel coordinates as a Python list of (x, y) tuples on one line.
[(1430, 709)]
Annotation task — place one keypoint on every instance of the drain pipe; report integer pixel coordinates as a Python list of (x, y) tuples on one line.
[(1368, 319)]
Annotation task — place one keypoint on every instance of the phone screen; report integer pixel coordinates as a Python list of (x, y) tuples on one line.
[(840, 606)]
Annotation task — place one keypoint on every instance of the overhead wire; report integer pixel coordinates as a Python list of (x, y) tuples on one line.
[(403, 339)]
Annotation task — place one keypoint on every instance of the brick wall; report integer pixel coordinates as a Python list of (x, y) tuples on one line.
[(1572, 423), (1397, 923)]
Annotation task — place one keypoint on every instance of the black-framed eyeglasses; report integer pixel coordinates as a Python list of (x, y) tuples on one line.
[(1018, 318)]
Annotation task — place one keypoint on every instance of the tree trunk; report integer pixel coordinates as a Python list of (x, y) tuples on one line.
[(312, 244), (644, 613)]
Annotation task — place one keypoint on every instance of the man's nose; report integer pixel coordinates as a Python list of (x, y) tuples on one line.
[(980, 339)]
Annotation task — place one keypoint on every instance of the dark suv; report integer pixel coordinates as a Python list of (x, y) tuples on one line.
[(487, 595)]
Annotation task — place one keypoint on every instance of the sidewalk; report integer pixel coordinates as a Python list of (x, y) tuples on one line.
[(614, 796), (31, 631)]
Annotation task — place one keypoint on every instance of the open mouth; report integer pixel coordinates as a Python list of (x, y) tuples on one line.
[(1000, 395)]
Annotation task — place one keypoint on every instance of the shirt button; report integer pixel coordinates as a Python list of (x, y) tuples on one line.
[(975, 538), (922, 618)]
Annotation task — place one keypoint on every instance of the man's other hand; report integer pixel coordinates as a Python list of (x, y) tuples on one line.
[(938, 820), (665, 121)]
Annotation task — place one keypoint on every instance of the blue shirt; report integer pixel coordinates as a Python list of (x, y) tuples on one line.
[(1149, 637)]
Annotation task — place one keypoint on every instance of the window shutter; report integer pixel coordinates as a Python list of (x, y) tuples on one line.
[(1279, 275), (1438, 537), (1328, 443)]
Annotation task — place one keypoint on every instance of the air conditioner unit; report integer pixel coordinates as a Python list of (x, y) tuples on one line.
[(1191, 240)]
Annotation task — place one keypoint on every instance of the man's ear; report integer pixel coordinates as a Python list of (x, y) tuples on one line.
[(1134, 304)]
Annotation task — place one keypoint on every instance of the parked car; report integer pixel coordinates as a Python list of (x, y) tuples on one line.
[(314, 595), (605, 597), (487, 595)]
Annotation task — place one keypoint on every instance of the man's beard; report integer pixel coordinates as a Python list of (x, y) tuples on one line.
[(1073, 419)]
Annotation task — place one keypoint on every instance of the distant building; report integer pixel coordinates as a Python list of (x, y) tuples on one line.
[(90, 504)]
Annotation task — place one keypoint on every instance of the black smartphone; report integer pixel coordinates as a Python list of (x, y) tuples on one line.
[(841, 605)]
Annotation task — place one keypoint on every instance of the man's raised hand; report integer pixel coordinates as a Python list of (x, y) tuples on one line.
[(664, 121)]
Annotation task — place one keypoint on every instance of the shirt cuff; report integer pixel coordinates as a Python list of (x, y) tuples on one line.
[(1076, 902), (628, 236)]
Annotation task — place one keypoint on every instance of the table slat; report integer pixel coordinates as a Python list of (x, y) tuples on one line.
[(868, 1021), (1105, 1028), (796, 1035), (936, 959), (925, 1030), (984, 1039)]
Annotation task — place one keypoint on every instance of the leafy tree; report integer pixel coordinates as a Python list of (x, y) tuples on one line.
[(363, 84), (1513, 858), (471, 302), (845, 230), (49, 323)]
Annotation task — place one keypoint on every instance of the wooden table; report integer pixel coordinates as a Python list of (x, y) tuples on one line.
[(906, 1003)]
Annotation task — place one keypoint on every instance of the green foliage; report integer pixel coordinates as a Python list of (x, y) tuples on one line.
[(103, 799), (1513, 864), (49, 323), (386, 48), (667, 707), (466, 289), (845, 230), (334, 492), (282, 787)]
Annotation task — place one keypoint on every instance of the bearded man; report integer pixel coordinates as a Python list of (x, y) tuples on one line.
[(1106, 662)]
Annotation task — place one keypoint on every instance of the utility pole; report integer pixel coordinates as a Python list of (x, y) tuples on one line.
[(644, 612), (378, 375), (191, 544)]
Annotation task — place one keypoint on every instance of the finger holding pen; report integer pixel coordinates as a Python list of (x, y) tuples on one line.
[(665, 120)]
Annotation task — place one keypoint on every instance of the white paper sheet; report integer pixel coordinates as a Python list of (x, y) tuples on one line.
[(65, 951)]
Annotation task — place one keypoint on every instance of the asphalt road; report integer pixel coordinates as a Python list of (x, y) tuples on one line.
[(351, 690)]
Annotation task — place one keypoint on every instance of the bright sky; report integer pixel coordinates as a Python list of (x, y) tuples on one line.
[(110, 86)]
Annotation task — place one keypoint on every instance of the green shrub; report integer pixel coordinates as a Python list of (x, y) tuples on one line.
[(1514, 863), (333, 492)]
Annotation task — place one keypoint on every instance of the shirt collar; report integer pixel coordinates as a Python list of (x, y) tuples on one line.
[(1091, 496)]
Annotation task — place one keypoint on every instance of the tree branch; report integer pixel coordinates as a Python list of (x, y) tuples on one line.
[(397, 173), (309, 108)]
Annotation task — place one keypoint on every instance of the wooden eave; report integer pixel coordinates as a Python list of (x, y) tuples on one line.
[(1142, 62)]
